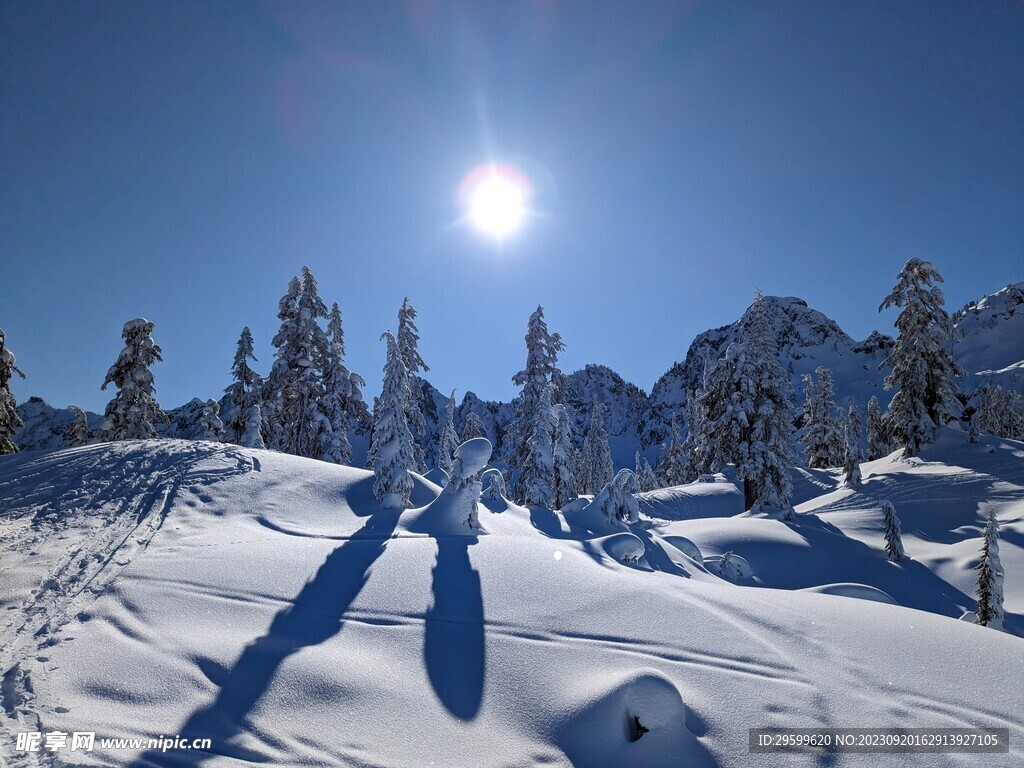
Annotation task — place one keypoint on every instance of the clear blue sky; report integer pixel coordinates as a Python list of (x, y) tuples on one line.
[(181, 160)]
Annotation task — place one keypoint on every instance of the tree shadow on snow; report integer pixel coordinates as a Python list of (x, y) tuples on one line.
[(314, 616), (454, 649)]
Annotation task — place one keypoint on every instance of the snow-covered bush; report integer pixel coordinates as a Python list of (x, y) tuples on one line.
[(78, 432), (133, 411), (213, 427), (616, 500), (493, 483), (252, 437)]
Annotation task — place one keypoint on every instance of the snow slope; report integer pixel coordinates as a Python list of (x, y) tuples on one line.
[(268, 603)]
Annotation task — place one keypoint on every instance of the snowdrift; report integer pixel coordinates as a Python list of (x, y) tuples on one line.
[(266, 602)]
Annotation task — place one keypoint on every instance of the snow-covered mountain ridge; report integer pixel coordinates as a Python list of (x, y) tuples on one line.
[(989, 344)]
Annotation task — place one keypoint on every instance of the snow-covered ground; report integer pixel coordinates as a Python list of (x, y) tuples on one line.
[(266, 602)]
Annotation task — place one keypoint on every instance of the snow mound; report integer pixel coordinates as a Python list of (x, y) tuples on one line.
[(624, 547), (859, 591), (685, 546), (454, 511)]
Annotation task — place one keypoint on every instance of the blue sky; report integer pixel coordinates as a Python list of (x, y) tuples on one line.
[(180, 161)]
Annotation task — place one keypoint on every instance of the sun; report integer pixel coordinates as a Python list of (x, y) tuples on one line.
[(496, 198)]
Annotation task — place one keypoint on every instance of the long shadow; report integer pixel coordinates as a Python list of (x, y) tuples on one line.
[(453, 646), (314, 616)]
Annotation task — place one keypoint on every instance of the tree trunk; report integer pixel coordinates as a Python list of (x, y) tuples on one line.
[(750, 494)]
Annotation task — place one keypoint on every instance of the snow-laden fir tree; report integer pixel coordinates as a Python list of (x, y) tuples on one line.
[(823, 437), (973, 431), (294, 388), (537, 477), (745, 408), (244, 392), (9, 419), (133, 411), (921, 363), (645, 478), (474, 427), (343, 398), (408, 344), (252, 437), (596, 469), (449, 437), (78, 432), (673, 459), (878, 439), (689, 460), (1000, 413), (541, 369), (893, 533), (563, 485), (854, 454), (392, 449), (989, 610), (616, 499), (213, 427)]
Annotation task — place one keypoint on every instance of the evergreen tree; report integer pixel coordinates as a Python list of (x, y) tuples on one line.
[(1000, 413), (878, 440), (689, 458), (213, 427), (474, 427), (392, 450), (616, 500), (541, 369), (746, 412), (893, 534), (854, 454), (343, 399), (989, 610), (973, 432), (493, 485), (253, 435), (921, 364), (408, 342), (563, 486), (645, 477), (673, 459), (538, 473), (822, 439), (78, 433), (244, 391), (133, 411), (295, 386), (596, 458), (449, 438), (9, 419)]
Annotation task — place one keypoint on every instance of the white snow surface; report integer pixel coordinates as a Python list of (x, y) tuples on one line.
[(267, 602)]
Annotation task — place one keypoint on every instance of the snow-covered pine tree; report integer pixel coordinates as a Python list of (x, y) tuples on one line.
[(854, 454), (78, 432), (9, 419), (1000, 413), (973, 432), (244, 391), (893, 534), (689, 458), (597, 454), (408, 344), (493, 484), (449, 441), (541, 369), (474, 427), (213, 427), (343, 399), (253, 435), (538, 471), (133, 411), (823, 438), (563, 485), (294, 388), (921, 364), (618, 504), (673, 461), (746, 412), (392, 449), (989, 609), (647, 480), (878, 439)]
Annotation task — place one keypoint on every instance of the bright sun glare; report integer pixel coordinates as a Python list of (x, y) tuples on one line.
[(496, 198)]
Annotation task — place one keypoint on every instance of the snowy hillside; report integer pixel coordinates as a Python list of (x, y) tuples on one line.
[(266, 602), (990, 339)]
